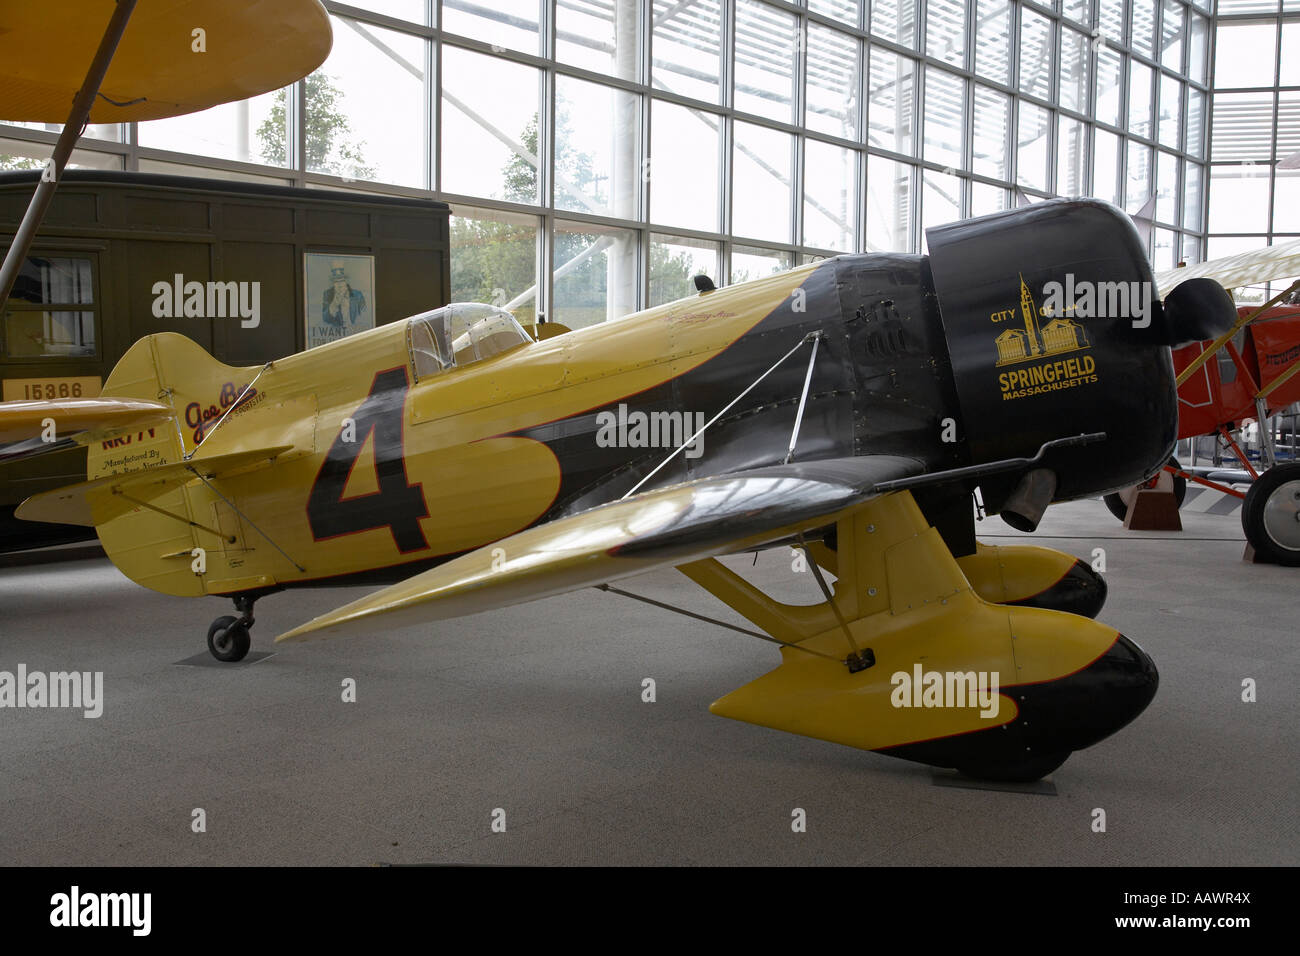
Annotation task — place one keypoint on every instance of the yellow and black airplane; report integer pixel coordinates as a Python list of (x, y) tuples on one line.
[(848, 407)]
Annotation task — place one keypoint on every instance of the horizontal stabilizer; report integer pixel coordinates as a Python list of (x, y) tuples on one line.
[(100, 500), (661, 528)]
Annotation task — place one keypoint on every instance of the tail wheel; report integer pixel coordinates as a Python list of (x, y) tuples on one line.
[(228, 639), (1115, 504), (1270, 515)]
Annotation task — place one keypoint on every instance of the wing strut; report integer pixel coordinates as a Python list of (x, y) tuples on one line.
[(1218, 343), (803, 398), (235, 508), (220, 421), (810, 337), (713, 620), (229, 539), (856, 661)]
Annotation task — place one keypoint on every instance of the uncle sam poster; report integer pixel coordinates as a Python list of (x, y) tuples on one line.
[(340, 296)]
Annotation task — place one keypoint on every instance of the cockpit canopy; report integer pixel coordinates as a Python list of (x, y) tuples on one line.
[(458, 335)]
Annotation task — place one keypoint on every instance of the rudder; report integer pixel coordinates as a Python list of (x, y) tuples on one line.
[(154, 549)]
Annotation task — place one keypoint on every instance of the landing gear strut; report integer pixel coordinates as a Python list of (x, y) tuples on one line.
[(228, 638)]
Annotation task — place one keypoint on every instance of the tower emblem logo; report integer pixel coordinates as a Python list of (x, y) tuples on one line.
[(1037, 340)]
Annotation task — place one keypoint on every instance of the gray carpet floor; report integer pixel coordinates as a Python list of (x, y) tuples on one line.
[(536, 711)]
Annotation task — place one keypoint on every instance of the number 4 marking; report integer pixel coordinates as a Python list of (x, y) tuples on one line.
[(398, 505)]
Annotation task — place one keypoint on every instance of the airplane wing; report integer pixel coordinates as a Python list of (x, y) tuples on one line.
[(162, 66), (24, 424), (100, 500), (1268, 264), (660, 528)]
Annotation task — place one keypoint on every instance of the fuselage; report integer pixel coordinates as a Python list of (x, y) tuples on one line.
[(393, 468)]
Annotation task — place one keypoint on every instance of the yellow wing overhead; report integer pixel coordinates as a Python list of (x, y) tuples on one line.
[(30, 428), (100, 500), (86, 417), (661, 528), (1268, 264), (248, 47)]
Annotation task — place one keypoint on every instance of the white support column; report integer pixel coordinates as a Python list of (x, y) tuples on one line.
[(621, 259)]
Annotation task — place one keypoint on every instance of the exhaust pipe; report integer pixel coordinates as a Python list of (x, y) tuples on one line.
[(1024, 508)]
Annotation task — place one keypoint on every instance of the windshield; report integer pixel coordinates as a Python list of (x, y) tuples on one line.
[(460, 334)]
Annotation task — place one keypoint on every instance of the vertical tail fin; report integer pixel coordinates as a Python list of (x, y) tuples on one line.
[(153, 545), (174, 370)]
